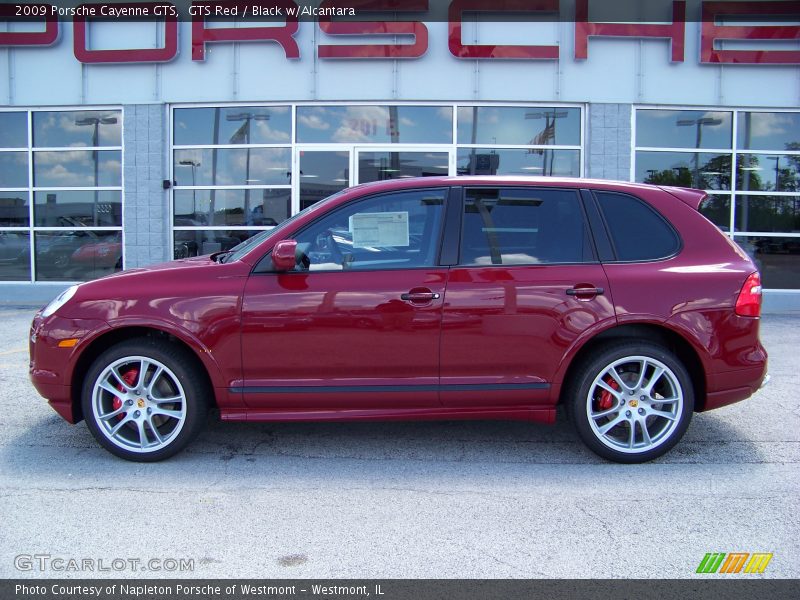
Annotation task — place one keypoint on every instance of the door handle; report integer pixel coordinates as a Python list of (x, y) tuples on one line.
[(585, 291), (419, 296)]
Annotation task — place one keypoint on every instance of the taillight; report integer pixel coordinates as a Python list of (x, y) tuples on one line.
[(748, 304)]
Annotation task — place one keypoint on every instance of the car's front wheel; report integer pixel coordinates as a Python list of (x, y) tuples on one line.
[(145, 400), (631, 401)]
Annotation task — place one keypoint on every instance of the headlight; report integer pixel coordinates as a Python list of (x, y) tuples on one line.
[(59, 301)]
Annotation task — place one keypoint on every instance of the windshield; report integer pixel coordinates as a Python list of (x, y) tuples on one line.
[(240, 250)]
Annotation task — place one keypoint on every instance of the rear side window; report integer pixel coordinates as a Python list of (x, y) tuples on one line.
[(638, 232), (523, 226)]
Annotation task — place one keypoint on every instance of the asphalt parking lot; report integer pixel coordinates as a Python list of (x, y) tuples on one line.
[(444, 500)]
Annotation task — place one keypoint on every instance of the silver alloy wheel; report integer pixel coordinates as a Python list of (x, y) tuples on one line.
[(646, 404), (139, 404)]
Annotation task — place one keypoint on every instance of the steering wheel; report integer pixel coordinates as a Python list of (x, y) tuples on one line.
[(324, 243)]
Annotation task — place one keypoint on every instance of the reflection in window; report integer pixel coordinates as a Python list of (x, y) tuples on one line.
[(375, 124), (13, 130), (13, 169), (777, 258), (77, 168), (685, 169), (768, 213), (769, 172), (254, 207), (523, 226), (380, 166), (14, 209), (503, 161), (769, 131), (187, 243), (683, 128), (86, 128), (232, 166), (717, 209), (15, 255), (77, 255), (74, 249), (322, 173), (232, 125), (391, 231), (539, 126), (83, 208)]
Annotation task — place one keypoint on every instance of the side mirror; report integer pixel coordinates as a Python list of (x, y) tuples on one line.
[(284, 255)]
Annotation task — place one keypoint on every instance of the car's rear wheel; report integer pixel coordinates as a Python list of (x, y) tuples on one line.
[(145, 400), (631, 401)]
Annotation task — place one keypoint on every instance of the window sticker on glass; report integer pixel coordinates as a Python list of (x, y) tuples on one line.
[(379, 229)]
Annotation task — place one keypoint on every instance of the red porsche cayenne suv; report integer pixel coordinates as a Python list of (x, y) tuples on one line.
[(428, 298)]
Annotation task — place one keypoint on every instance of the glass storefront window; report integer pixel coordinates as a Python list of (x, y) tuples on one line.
[(14, 209), (238, 167), (519, 125), (769, 172), (769, 131), (699, 170), (504, 161), (232, 125), (717, 209), (77, 255), (322, 173), (780, 214), (375, 124), (764, 182), (70, 213), (777, 258), (380, 166), (84, 208), (13, 169), (13, 129), (232, 166), (196, 242), (77, 168), (255, 207), (15, 255), (684, 128), (87, 128)]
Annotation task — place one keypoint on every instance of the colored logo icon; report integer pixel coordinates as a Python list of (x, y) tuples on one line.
[(734, 562)]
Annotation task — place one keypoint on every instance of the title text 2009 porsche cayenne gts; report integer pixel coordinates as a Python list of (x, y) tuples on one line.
[(434, 298)]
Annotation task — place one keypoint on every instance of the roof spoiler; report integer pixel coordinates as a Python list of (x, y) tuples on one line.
[(689, 196)]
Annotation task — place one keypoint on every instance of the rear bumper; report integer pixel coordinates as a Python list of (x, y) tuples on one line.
[(749, 382)]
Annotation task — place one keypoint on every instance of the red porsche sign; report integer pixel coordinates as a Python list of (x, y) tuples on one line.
[(721, 21)]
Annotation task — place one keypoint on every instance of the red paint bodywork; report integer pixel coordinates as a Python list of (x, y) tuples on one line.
[(512, 330)]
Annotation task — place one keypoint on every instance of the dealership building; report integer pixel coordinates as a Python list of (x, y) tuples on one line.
[(126, 143)]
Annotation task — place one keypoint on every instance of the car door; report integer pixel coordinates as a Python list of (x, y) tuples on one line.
[(526, 286), (356, 324)]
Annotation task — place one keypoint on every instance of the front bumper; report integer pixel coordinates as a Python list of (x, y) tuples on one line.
[(51, 367)]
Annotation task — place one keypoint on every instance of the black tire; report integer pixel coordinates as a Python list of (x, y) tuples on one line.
[(180, 371), (636, 412)]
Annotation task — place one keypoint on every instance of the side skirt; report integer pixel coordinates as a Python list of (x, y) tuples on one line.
[(517, 413)]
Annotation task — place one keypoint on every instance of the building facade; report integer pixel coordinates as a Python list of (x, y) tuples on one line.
[(124, 143)]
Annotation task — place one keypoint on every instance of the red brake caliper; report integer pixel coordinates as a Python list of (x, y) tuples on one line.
[(606, 399), (130, 378)]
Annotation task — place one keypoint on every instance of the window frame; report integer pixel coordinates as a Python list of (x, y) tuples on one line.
[(734, 151), (610, 238), (264, 264), (31, 189)]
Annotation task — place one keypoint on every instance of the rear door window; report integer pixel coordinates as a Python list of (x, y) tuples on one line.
[(637, 231), (523, 226)]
